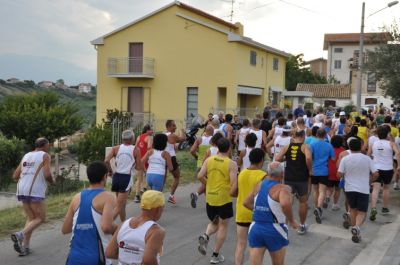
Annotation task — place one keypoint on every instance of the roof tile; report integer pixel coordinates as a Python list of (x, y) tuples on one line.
[(326, 90)]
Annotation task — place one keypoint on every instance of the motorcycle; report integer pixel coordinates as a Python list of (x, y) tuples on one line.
[(190, 133)]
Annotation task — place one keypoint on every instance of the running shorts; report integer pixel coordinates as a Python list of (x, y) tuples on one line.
[(121, 182), (272, 236), (385, 176), (333, 183), (319, 180), (28, 199), (155, 181), (224, 211), (357, 200), (298, 187)]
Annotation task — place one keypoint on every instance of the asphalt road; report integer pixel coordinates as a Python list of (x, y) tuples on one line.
[(326, 243)]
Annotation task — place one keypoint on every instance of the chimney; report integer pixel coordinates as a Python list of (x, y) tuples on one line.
[(240, 29)]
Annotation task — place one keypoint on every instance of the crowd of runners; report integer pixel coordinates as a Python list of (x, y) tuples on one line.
[(323, 154)]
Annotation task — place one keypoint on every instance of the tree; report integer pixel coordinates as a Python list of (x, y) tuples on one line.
[(38, 115), (297, 73), (384, 61), (11, 152)]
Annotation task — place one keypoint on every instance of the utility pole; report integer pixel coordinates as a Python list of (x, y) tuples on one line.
[(232, 3), (360, 60)]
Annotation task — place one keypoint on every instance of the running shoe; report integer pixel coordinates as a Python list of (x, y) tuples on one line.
[(335, 207), (203, 242), (171, 199), (385, 211), (193, 199), (373, 214), (17, 238), (326, 202), (25, 252), (302, 229), (355, 231), (346, 220), (137, 199), (217, 259), (318, 215)]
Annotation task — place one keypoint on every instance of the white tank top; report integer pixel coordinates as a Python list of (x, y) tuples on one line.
[(28, 185), (279, 143), (259, 137), (105, 238), (170, 147), (246, 161), (205, 140), (125, 159), (131, 243), (242, 135), (213, 150), (278, 131), (383, 155), (157, 163)]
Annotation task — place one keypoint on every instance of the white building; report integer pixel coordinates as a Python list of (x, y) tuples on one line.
[(85, 87), (325, 95), (343, 56)]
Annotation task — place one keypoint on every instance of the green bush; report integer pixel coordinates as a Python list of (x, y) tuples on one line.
[(73, 149), (64, 183), (348, 108), (11, 152)]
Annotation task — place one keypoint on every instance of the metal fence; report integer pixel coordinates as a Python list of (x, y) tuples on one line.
[(128, 66)]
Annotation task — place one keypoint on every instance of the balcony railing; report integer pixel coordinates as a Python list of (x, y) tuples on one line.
[(131, 67)]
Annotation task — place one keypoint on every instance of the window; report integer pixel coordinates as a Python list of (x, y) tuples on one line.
[(338, 50), (275, 64), (253, 58), (338, 64), (371, 83), (371, 101), (191, 102)]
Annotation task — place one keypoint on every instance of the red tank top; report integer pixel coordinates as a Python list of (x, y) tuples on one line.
[(332, 164), (142, 144)]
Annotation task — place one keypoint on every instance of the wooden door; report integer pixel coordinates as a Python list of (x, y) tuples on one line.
[(136, 57), (135, 99)]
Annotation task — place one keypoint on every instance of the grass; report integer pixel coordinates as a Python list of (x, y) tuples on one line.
[(13, 219)]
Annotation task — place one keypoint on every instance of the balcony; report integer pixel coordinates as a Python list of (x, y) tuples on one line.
[(131, 67)]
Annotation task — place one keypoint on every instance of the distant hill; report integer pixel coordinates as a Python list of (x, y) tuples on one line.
[(39, 68), (85, 102)]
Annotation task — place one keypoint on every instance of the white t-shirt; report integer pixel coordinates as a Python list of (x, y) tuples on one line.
[(371, 140), (356, 168)]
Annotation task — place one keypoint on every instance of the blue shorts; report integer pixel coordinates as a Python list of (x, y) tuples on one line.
[(268, 235), (121, 182), (155, 181)]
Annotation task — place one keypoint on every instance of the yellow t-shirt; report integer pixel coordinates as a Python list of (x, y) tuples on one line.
[(202, 154), (362, 133), (218, 181), (394, 131), (247, 180), (353, 115)]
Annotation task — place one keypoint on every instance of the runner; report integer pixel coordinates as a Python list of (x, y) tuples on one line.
[(143, 142), (266, 125), (226, 127), (243, 159), (382, 153), (247, 180), (333, 180), (126, 157), (313, 137), (356, 169), (198, 151), (279, 142), (158, 160), (261, 135), (321, 153), (90, 219), (173, 139), (221, 180), (140, 240), (32, 174), (271, 202), (298, 164), (241, 135), (278, 129)]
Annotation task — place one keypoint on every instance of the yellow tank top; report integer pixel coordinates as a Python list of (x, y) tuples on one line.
[(394, 131), (362, 133), (201, 154), (218, 181), (247, 180)]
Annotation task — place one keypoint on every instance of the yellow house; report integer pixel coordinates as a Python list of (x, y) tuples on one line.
[(179, 61)]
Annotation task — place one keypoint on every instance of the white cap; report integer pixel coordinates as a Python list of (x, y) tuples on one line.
[(215, 117), (342, 113)]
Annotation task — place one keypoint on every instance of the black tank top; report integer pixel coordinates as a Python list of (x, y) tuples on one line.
[(296, 167)]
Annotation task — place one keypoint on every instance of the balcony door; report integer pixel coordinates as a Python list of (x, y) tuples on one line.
[(136, 57), (135, 99)]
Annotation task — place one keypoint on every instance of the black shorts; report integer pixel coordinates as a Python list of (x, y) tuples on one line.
[(243, 224), (175, 164), (385, 176), (224, 211), (298, 187), (333, 183), (121, 182), (319, 180), (357, 200)]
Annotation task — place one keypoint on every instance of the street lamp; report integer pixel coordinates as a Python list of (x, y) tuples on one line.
[(360, 54)]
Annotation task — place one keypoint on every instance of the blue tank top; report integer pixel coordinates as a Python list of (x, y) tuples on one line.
[(341, 129), (86, 245), (262, 212), (222, 127)]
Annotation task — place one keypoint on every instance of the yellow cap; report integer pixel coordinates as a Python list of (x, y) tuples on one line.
[(152, 199)]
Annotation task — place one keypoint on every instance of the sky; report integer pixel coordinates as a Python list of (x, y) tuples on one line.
[(62, 29)]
